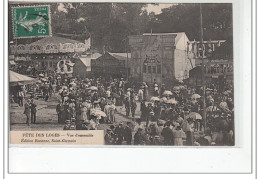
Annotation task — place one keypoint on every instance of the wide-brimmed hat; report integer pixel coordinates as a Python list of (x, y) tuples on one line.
[(224, 115), (160, 122), (97, 101), (157, 137), (178, 127), (112, 127), (85, 122), (67, 121)]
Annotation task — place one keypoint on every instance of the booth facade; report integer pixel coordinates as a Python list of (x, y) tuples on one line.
[(160, 58)]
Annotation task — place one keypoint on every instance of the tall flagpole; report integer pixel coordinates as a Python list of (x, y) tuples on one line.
[(203, 68), (126, 49)]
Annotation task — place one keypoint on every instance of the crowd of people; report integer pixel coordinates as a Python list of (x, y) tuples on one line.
[(175, 118), (168, 116)]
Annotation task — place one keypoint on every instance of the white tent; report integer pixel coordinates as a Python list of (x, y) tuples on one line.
[(18, 79)]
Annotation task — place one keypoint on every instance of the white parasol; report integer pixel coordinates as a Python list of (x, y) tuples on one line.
[(171, 101), (163, 99), (112, 106), (208, 89), (176, 88), (167, 93), (97, 113), (44, 79), (93, 88), (194, 115), (223, 105), (155, 99), (195, 96), (212, 108), (73, 84)]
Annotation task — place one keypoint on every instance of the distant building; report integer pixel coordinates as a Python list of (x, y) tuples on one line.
[(218, 66), (110, 65), (196, 51), (159, 57), (82, 67), (106, 65)]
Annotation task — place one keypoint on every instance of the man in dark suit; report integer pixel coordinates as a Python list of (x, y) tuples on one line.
[(167, 133), (128, 133), (133, 108), (33, 111), (58, 110), (127, 107), (27, 111), (119, 132)]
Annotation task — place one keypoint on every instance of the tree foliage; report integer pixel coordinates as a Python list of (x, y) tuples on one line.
[(109, 24), (217, 21)]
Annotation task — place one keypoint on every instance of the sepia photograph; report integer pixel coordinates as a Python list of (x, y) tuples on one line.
[(122, 74)]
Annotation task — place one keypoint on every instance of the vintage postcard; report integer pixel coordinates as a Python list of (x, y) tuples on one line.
[(132, 74)]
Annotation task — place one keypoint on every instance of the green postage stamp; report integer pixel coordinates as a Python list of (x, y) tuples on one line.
[(31, 21)]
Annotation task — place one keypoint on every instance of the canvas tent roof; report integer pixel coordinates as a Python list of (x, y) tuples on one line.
[(86, 62), (178, 35), (16, 78), (120, 56), (180, 40), (12, 62)]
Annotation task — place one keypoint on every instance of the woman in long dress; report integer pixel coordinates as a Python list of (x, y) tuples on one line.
[(178, 136), (84, 110), (141, 94)]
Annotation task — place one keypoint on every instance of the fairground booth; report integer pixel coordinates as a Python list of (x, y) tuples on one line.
[(50, 54)]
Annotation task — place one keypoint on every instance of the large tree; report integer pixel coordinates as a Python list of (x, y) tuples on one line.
[(217, 20), (109, 24)]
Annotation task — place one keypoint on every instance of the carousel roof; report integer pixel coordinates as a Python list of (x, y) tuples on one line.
[(53, 40)]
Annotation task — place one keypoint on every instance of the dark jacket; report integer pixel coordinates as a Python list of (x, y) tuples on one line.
[(33, 107), (128, 134), (167, 133), (27, 109), (58, 108), (139, 138)]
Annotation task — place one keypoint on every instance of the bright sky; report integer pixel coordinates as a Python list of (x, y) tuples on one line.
[(157, 9), (149, 8)]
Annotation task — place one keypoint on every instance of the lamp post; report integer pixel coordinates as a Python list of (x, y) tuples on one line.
[(126, 50), (203, 67)]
